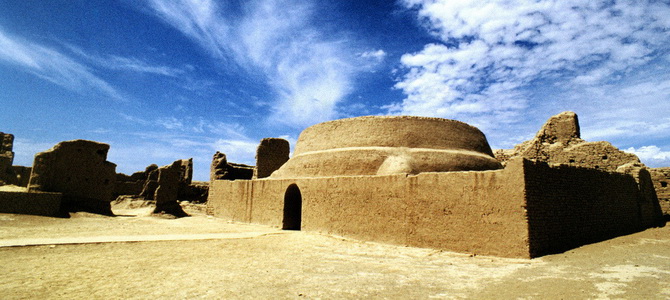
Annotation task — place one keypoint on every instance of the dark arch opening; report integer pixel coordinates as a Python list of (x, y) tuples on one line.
[(292, 208)]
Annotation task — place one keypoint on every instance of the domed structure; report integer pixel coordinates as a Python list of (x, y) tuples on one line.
[(383, 145)]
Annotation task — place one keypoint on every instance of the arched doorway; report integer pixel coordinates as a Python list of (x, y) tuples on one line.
[(292, 208)]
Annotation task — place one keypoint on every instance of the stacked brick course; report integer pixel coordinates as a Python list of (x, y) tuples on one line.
[(661, 179), (568, 207)]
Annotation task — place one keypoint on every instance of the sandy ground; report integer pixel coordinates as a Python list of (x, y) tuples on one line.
[(139, 256)]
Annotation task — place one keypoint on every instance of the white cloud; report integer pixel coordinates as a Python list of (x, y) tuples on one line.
[(493, 51), (652, 155), (133, 64), (308, 72), (377, 55), (170, 123), (631, 110), (650, 152), (53, 66), (115, 62)]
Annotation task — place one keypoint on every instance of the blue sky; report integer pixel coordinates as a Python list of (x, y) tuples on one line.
[(161, 80)]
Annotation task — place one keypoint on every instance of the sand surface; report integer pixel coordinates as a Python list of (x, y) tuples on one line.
[(139, 256)]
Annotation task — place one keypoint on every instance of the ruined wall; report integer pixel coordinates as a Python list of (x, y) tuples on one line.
[(6, 155), (186, 171), (31, 203), (474, 212), (271, 154), (221, 169), (568, 206), (559, 142), (19, 175), (661, 179), (167, 191), (79, 169)]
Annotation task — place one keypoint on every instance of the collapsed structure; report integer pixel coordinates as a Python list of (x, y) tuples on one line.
[(76, 176), (145, 183), (435, 183), (10, 174), (80, 171), (661, 178)]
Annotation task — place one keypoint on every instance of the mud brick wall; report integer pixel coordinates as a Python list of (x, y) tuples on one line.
[(568, 206), (31, 203), (472, 212), (661, 179)]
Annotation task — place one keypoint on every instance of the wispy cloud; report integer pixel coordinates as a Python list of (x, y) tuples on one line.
[(115, 62), (309, 72), (54, 66), (491, 52), (378, 55)]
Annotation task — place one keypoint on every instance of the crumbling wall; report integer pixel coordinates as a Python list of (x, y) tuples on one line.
[(145, 183), (271, 154), (186, 171), (190, 190), (19, 175), (150, 183), (568, 206), (79, 169), (6, 155), (559, 142), (133, 184), (168, 186), (221, 169), (14, 175), (661, 179)]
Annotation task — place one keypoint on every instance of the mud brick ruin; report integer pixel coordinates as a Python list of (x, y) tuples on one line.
[(661, 179), (6, 154), (559, 142), (430, 182), (414, 181), (145, 183), (166, 193), (80, 171), (76, 176), (221, 169), (271, 154), (9, 174)]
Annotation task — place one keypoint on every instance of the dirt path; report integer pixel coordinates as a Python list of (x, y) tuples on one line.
[(252, 262), (131, 238)]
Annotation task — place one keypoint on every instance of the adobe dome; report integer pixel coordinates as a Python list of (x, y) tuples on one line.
[(382, 145)]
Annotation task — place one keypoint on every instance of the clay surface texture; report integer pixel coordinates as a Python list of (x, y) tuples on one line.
[(388, 145)]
